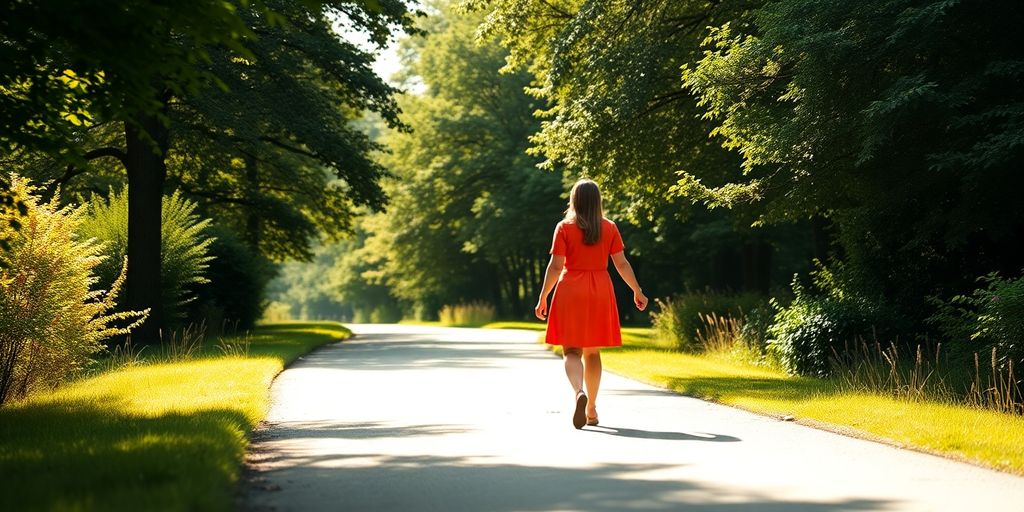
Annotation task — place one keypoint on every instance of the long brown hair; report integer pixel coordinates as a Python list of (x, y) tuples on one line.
[(585, 210)]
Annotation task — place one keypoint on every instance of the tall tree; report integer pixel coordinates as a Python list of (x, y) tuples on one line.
[(902, 122), (470, 215), (289, 51), (619, 113)]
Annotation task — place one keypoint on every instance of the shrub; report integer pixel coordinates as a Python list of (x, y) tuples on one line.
[(277, 312), (184, 246), (681, 320), (50, 322), (992, 316), (472, 313), (816, 327), (235, 289), (385, 314)]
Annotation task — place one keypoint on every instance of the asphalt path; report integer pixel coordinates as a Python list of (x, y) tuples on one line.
[(412, 418)]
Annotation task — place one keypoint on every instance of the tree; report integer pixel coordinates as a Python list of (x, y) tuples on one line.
[(619, 113), (899, 121), (470, 216), (67, 65), (290, 50), (610, 72)]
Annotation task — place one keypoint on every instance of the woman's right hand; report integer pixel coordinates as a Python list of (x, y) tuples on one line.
[(542, 309), (640, 300)]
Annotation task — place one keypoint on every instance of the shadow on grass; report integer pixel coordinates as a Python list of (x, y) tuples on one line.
[(87, 455), (716, 388), (64, 453)]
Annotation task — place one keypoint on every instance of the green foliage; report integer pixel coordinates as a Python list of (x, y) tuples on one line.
[(898, 121), (470, 217), (896, 126), (277, 154), (826, 322), (184, 245), (51, 322), (992, 317), (105, 440), (469, 314), (12, 209), (258, 96), (682, 320), (67, 66), (384, 314), (609, 71), (234, 292)]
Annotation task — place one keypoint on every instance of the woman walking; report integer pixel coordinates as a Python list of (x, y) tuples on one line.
[(583, 316)]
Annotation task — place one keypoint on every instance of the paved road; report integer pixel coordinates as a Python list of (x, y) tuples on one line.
[(410, 418)]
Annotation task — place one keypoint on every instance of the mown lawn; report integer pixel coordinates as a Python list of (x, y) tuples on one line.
[(975, 435), (154, 436)]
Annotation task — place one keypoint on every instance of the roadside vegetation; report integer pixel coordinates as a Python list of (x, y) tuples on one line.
[(904, 412), (153, 429)]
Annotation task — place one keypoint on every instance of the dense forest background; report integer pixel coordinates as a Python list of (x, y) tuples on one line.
[(823, 173), (834, 172)]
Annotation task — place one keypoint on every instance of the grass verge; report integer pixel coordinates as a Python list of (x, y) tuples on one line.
[(152, 436), (970, 434)]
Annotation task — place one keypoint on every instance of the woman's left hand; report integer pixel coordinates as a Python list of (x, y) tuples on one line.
[(640, 300)]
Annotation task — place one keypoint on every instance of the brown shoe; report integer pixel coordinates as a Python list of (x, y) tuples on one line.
[(592, 421), (579, 418)]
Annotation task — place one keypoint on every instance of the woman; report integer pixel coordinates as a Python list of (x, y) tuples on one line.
[(583, 315)]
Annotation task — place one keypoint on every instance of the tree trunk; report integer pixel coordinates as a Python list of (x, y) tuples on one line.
[(147, 170)]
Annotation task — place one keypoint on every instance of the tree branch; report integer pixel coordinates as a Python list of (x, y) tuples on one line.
[(289, 147), (71, 171)]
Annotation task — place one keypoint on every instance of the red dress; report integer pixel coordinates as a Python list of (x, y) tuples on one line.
[(583, 311)]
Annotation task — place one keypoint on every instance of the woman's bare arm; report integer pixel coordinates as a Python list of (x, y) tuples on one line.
[(555, 266), (626, 272)]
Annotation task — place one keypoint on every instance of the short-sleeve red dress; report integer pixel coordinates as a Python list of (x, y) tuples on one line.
[(583, 312)]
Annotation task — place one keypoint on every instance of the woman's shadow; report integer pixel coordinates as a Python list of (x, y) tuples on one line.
[(656, 434)]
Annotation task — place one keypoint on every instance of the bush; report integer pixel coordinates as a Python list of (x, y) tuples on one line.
[(992, 316), (277, 312), (472, 313), (681, 319), (808, 334), (50, 322), (235, 289), (385, 314), (184, 246)]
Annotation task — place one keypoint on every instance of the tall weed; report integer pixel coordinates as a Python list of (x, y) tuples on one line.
[(678, 321)]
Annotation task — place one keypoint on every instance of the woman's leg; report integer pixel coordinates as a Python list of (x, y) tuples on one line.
[(574, 367), (592, 375)]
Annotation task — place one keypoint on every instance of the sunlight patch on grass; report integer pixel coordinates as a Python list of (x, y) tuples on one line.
[(156, 436)]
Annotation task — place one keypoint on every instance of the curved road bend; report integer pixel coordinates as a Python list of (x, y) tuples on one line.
[(412, 418)]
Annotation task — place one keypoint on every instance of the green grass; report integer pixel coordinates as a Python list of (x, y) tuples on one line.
[(971, 434), (154, 436)]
